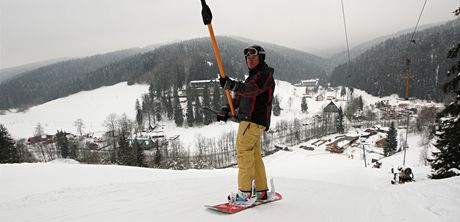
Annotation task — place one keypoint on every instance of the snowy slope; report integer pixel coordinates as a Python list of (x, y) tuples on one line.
[(317, 186), (92, 106)]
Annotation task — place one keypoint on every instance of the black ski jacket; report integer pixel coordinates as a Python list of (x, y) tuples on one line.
[(254, 96)]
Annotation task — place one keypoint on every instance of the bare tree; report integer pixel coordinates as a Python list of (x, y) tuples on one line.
[(39, 131), (110, 125), (80, 126)]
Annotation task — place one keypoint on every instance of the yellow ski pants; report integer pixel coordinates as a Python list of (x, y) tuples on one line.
[(249, 157)]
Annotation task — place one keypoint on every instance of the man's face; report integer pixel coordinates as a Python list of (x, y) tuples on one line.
[(252, 61)]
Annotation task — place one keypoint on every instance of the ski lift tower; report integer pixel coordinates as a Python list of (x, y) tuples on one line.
[(364, 143), (408, 76)]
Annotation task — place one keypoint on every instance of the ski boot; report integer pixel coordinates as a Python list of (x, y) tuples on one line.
[(243, 198)]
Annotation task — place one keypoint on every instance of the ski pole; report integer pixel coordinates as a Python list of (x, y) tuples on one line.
[(207, 18)]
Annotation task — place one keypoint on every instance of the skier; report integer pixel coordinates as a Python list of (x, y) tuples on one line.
[(253, 104)]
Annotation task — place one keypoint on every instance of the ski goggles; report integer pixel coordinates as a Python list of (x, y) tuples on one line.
[(252, 51)]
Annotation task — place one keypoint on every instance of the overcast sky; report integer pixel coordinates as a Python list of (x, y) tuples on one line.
[(37, 30)]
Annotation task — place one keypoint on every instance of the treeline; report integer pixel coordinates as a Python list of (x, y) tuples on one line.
[(124, 147), (380, 70), (186, 110), (168, 66)]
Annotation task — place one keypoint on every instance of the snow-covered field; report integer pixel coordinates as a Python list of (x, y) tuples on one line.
[(94, 106), (316, 185)]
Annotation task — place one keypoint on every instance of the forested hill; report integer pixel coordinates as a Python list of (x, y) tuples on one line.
[(53, 81), (165, 66), (380, 70)]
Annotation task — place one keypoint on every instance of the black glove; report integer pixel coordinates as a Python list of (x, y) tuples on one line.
[(223, 114), (230, 85), (222, 81)]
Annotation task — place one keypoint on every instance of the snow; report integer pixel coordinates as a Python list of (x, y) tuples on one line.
[(316, 186), (92, 107)]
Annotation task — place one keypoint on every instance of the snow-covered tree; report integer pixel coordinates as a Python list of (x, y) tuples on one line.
[(391, 142), (446, 162), (304, 105), (62, 144)]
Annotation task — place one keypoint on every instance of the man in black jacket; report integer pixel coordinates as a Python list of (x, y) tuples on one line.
[(253, 103)]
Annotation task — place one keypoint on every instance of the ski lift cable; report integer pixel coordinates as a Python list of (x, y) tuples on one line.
[(412, 40), (406, 52), (346, 33), (346, 37)]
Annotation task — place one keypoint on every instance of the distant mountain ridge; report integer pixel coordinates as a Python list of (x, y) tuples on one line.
[(11, 72), (341, 57), (165, 66), (377, 70), (380, 70)]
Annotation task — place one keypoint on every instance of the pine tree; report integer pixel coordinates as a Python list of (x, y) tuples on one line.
[(169, 107), (158, 158), (147, 108), (189, 112), (276, 106), (8, 152), (304, 106), (199, 118), (125, 154), (446, 162), (216, 98), (158, 112), (63, 144), (343, 92), (206, 103), (339, 121), (139, 150), (178, 112), (360, 103), (391, 143), (139, 116), (73, 147)]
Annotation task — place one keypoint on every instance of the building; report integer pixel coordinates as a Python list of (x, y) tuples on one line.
[(48, 139), (380, 143), (197, 86), (309, 83)]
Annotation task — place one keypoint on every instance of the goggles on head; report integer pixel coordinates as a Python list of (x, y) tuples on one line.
[(252, 51)]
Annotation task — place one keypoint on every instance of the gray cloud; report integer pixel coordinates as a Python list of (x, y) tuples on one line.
[(33, 30)]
